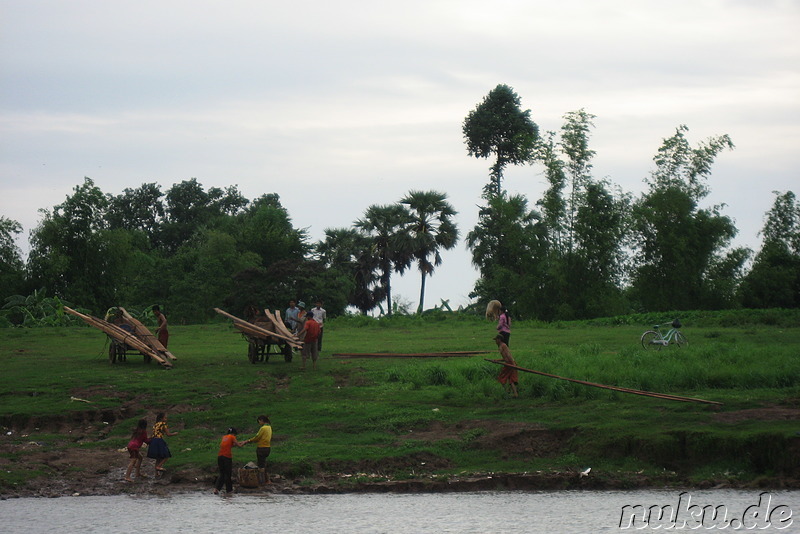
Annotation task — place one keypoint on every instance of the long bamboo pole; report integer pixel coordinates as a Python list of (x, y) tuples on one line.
[(143, 333), (257, 330), (121, 335), (454, 354), (664, 396)]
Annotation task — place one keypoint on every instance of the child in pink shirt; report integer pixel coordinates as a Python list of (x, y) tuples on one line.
[(138, 438)]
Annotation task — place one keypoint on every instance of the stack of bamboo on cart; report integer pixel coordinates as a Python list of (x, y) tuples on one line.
[(144, 334), (279, 329), (131, 339)]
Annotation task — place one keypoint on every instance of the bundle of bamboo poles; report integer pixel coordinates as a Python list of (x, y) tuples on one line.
[(277, 321), (121, 335), (664, 396), (144, 334), (260, 332)]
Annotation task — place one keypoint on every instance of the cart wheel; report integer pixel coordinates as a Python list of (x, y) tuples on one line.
[(287, 353), (252, 353)]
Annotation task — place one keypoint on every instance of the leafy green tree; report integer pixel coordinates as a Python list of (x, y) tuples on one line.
[(598, 258), (552, 203), (678, 242), (285, 280), (265, 227), (73, 256), (12, 274), (782, 226), (575, 145), (385, 226), (505, 245), (685, 168), (585, 224), (498, 126), (200, 275), (139, 209), (431, 229), (774, 279), (228, 201), (189, 208)]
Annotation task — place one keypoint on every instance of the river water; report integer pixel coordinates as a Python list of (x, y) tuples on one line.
[(485, 512)]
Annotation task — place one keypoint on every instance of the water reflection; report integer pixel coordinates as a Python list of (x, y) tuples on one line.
[(530, 512)]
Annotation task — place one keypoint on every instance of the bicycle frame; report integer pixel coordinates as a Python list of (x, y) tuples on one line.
[(669, 336), (655, 339)]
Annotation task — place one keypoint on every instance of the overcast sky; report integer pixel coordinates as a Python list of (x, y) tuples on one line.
[(339, 105)]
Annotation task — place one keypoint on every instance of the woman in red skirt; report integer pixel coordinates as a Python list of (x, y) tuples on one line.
[(508, 376)]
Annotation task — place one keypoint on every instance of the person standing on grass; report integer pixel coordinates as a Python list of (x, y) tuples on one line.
[(509, 376), (504, 325), (161, 332), (291, 316), (309, 335), (320, 315), (263, 441), (138, 438), (225, 461), (158, 449)]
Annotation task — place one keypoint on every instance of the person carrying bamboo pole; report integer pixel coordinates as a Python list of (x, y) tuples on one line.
[(509, 376)]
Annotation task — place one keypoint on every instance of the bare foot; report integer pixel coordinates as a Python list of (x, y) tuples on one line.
[(128, 480)]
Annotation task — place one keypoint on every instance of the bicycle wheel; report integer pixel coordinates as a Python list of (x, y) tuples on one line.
[(681, 340), (652, 340)]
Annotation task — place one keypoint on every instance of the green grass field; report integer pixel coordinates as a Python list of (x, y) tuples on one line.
[(357, 414)]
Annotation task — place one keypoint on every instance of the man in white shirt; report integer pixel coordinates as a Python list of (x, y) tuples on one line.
[(290, 317)]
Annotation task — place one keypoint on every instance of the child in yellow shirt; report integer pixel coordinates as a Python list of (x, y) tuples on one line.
[(263, 441)]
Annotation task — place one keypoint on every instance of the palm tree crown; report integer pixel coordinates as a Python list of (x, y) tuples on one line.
[(386, 225)]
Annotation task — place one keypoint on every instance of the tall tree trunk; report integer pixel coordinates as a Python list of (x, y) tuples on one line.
[(388, 298), (421, 293)]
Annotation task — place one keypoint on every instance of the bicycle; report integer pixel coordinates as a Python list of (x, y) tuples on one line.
[(654, 339)]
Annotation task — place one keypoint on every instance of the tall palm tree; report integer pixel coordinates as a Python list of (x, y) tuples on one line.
[(386, 225), (431, 230)]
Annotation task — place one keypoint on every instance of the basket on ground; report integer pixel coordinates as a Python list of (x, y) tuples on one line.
[(248, 478)]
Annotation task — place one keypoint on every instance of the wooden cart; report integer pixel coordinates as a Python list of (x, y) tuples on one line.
[(118, 350), (128, 334), (264, 333)]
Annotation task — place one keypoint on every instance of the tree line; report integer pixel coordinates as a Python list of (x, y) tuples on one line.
[(584, 249), (588, 249), (192, 249)]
